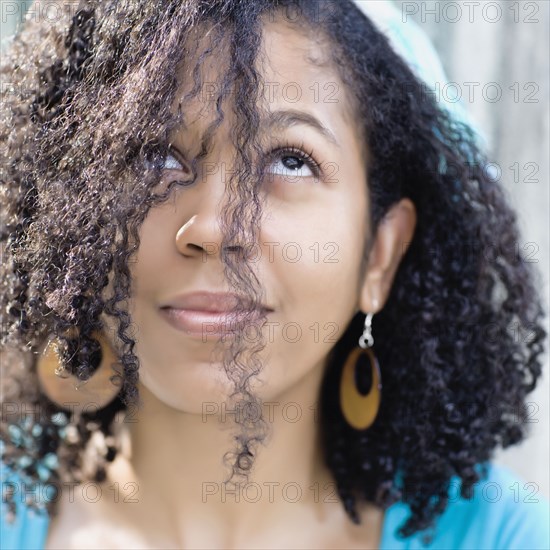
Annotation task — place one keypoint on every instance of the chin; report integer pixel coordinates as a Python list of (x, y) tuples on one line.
[(189, 388)]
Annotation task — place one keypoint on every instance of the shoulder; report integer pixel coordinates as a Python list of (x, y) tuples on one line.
[(30, 527), (504, 512), (517, 513)]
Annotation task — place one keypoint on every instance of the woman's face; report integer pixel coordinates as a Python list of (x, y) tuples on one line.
[(312, 237)]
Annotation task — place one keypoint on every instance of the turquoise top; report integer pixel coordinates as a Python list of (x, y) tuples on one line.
[(505, 512)]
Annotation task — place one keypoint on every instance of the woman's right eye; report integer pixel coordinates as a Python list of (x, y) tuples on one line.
[(174, 161), (171, 163), (177, 169)]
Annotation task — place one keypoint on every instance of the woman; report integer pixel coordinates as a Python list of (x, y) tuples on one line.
[(258, 290)]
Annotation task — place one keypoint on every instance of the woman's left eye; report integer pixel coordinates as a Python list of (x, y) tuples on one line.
[(291, 162)]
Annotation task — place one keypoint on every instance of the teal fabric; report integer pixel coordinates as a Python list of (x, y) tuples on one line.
[(413, 45), (29, 531), (504, 513)]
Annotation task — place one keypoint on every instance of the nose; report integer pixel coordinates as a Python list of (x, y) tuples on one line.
[(201, 235)]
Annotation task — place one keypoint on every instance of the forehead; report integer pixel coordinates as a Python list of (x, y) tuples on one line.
[(296, 74), (299, 65)]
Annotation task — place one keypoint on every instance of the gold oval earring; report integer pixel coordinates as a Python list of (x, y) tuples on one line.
[(360, 408), (66, 391)]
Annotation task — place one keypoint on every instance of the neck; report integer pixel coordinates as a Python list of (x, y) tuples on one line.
[(177, 462)]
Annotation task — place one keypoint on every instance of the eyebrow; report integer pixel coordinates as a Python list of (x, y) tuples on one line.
[(292, 117)]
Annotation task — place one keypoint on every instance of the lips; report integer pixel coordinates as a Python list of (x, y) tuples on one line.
[(207, 314), (213, 302)]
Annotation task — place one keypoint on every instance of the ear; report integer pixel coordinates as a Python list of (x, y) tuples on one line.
[(393, 237)]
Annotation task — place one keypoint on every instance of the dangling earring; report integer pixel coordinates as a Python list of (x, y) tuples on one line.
[(60, 387), (360, 404)]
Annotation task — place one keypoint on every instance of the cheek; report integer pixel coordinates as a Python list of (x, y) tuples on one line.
[(316, 261), (322, 288), (155, 244), (314, 275)]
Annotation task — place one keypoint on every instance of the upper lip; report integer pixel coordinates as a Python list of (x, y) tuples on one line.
[(215, 302)]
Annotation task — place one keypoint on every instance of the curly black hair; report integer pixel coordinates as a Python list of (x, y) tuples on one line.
[(82, 132)]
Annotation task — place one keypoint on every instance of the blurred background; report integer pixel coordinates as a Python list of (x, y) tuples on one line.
[(495, 55), (491, 48)]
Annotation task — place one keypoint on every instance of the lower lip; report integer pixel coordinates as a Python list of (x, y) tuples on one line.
[(206, 324)]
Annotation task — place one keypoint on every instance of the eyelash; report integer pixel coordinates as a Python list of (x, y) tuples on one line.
[(308, 156)]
